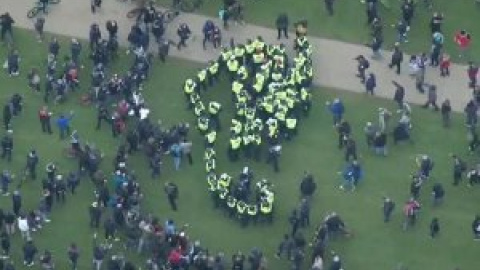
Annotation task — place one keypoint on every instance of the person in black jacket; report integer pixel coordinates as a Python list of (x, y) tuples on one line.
[(29, 252), (7, 146), (397, 58), (6, 23), (445, 110), (112, 28), (308, 185), (183, 33), (282, 25), (7, 115), (399, 94)]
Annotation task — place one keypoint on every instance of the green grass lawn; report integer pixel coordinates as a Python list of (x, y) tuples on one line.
[(375, 245), (349, 22)]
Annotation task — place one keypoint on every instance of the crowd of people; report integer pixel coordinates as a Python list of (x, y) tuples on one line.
[(271, 94)]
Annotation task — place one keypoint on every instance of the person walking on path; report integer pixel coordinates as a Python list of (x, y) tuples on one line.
[(6, 23), (362, 66), (397, 58), (38, 26), (370, 84), (431, 98), (282, 25)]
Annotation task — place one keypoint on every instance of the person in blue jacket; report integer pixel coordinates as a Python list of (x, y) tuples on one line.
[(352, 174), (337, 109), (63, 124)]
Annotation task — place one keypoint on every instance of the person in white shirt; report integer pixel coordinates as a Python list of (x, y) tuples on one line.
[(23, 227)]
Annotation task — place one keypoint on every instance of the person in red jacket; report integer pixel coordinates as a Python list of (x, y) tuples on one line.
[(445, 65), (463, 40)]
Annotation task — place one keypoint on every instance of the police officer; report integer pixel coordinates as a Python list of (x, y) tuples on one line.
[(234, 149), (7, 146), (242, 213), (213, 70), (202, 78)]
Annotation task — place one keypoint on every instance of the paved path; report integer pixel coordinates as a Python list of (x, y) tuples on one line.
[(333, 60)]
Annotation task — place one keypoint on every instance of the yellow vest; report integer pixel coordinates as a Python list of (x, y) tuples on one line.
[(213, 69), (291, 123), (211, 136), (202, 75), (235, 143), (237, 87)]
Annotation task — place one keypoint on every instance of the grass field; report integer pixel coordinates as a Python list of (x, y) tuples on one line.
[(349, 22), (375, 246)]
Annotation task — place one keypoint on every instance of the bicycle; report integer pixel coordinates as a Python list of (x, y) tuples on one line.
[(187, 5), (39, 7)]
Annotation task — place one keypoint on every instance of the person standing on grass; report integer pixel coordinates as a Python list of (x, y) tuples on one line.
[(5, 179), (445, 110), (388, 207), (329, 7), (176, 152), (438, 193), (171, 189), (462, 39), (5, 244), (436, 22), (285, 247), (337, 110), (7, 145), (186, 148), (282, 25), (63, 124), (16, 202), (29, 252), (434, 228), (459, 168), (410, 210), (408, 10), (431, 98), (38, 26)]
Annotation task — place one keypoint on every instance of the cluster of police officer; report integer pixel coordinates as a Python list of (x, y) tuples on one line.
[(267, 91)]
